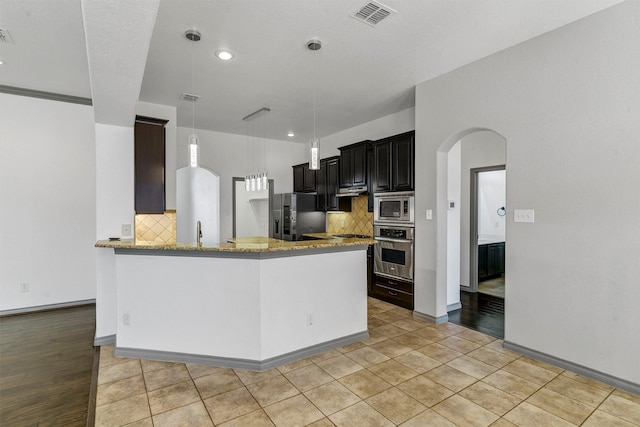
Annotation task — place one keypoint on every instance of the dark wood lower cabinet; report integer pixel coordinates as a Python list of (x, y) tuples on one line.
[(394, 291), (370, 270), (491, 261)]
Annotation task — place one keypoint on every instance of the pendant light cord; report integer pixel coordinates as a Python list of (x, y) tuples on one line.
[(193, 87), (315, 72)]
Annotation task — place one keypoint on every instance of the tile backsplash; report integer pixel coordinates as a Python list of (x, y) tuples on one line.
[(358, 221), (156, 228)]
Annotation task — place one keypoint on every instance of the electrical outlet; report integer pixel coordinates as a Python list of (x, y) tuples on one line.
[(24, 287), (309, 319), (126, 229), (126, 320)]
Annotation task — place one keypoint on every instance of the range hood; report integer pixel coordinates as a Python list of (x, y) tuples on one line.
[(351, 192)]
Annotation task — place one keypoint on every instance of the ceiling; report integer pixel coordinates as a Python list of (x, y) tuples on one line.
[(361, 73)]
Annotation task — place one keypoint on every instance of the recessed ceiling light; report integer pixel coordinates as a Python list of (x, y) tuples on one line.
[(225, 55), (291, 134), (1, 62)]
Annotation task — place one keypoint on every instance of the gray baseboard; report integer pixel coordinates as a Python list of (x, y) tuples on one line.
[(431, 319), (106, 340), (453, 307), (620, 383), (227, 362), (25, 310)]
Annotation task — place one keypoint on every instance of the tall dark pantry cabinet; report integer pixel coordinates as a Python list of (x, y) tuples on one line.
[(149, 136)]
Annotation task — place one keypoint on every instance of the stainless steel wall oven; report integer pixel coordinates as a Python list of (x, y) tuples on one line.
[(393, 256)]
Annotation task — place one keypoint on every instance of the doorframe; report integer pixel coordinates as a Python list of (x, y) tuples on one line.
[(473, 226)]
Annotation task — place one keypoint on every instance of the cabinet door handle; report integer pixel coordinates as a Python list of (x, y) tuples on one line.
[(393, 293)]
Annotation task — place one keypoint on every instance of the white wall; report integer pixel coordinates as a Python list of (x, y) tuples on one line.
[(393, 124), (479, 149), (491, 197), (454, 160), (47, 216), (568, 104), (114, 199), (226, 154), (252, 212)]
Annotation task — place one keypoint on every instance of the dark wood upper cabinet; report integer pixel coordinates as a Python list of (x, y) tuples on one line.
[(321, 186), (333, 186), (298, 179), (370, 178), (360, 165), (327, 184), (309, 179), (304, 179), (402, 162), (346, 168), (394, 163), (149, 161), (382, 166), (353, 165)]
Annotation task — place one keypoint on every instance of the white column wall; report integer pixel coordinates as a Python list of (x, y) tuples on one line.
[(568, 104), (114, 201), (47, 216), (453, 226)]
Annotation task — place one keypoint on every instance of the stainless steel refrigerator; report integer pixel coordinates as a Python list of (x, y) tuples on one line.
[(295, 214)]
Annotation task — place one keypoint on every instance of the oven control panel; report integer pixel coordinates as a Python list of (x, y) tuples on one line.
[(391, 232)]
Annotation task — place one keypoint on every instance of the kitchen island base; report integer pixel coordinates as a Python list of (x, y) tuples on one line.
[(250, 312)]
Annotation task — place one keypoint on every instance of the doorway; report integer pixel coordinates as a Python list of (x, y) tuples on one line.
[(487, 230), (474, 150)]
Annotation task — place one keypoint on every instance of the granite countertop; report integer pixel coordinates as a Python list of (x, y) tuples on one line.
[(241, 244)]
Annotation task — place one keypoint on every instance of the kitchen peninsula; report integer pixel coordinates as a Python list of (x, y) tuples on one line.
[(252, 303)]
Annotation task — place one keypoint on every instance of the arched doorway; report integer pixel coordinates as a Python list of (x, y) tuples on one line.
[(460, 158)]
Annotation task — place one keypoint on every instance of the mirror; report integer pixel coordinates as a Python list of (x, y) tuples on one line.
[(251, 210)]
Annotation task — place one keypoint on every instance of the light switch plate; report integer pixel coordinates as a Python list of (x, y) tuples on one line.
[(523, 215), (429, 214)]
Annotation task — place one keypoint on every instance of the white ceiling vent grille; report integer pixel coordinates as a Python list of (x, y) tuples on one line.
[(189, 97), (373, 13)]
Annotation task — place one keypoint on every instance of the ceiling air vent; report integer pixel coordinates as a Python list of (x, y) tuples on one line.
[(189, 97), (372, 13)]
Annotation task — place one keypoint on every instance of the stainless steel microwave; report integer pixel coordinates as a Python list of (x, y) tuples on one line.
[(396, 208)]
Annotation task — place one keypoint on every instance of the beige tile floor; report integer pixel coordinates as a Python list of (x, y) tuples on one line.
[(409, 373)]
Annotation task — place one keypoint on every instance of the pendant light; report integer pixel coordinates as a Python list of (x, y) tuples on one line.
[(256, 181), (193, 36), (314, 143)]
